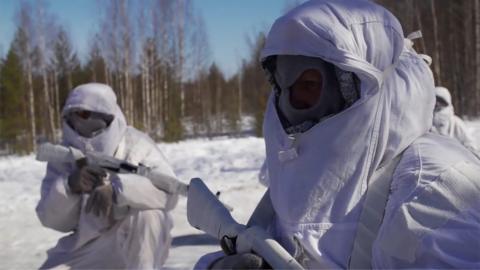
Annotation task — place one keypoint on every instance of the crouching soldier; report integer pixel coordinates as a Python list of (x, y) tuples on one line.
[(356, 180), (445, 122), (114, 220)]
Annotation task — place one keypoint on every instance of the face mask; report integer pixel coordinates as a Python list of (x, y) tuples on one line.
[(289, 69), (88, 126), (440, 104), (441, 119)]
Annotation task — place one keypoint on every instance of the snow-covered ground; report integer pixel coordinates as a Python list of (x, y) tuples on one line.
[(228, 165)]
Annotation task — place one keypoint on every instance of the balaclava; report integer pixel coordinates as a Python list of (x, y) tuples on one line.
[(288, 69), (90, 124), (442, 116), (104, 126)]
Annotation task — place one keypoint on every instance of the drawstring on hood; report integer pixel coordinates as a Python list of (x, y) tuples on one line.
[(329, 165)]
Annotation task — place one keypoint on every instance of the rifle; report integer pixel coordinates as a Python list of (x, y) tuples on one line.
[(213, 218), (60, 154)]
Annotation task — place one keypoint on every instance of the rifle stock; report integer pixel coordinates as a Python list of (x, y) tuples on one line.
[(207, 213)]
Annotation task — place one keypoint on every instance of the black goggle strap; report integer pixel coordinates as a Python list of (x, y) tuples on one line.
[(269, 65)]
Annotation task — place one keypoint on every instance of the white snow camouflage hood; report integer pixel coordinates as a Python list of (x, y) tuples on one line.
[(100, 98), (444, 118), (444, 94), (318, 178)]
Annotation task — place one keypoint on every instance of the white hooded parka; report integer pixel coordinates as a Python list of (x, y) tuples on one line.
[(318, 178), (64, 211)]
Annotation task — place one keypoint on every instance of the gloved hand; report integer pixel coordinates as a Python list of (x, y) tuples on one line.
[(100, 201), (85, 178), (240, 261)]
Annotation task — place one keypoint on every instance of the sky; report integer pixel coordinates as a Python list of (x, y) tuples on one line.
[(228, 24)]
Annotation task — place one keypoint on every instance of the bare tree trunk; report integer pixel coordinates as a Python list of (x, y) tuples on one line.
[(108, 79), (181, 9), (477, 54), (49, 106), (455, 57), (31, 104), (142, 91), (240, 95), (166, 98), (143, 65), (208, 109), (218, 102), (155, 99), (25, 23), (410, 15), (57, 97), (69, 81), (436, 42), (466, 63), (117, 37), (128, 95), (148, 104), (418, 18), (126, 39), (93, 70)]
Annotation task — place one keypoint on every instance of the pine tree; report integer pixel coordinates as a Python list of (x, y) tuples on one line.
[(173, 125), (255, 84), (13, 123)]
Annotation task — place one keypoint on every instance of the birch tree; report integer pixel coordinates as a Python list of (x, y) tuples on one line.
[(117, 46), (25, 49), (44, 24)]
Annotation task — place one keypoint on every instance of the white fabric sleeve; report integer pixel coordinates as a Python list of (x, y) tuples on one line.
[(58, 209), (138, 192), (461, 134), (436, 227)]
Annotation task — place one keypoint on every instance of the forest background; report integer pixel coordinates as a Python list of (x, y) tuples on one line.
[(157, 58)]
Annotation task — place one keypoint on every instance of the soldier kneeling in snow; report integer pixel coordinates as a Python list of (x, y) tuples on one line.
[(356, 180), (114, 220), (445, 122)]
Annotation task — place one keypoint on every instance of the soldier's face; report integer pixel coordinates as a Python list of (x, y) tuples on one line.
[(307, 89), (440, 104)]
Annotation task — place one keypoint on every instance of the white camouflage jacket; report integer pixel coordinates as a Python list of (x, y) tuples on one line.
[(318, 178), (63, 211)]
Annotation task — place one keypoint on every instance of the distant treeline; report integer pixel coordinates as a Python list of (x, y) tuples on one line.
[(451, 36), (155, 55)]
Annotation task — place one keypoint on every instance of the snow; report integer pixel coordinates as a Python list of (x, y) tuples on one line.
[(227, 165), (473, 128)]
